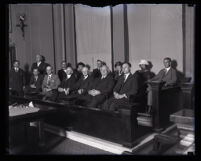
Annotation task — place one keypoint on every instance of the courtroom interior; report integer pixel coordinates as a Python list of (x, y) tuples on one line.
[(113, 80)]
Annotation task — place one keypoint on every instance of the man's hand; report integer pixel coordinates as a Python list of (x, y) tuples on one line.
[(66, 91), (47, 89), (80, 91), (32, 86), (96, 92), (60, 89), (119, 96)]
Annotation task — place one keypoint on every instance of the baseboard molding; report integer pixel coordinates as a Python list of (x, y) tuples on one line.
[(97, 142)]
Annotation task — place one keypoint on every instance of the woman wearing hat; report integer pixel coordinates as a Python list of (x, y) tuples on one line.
[(144, 75)]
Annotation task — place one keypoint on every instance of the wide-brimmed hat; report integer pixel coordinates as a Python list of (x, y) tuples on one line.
[(143, 61)]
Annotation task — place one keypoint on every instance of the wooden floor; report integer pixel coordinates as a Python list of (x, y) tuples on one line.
[(58, 141)]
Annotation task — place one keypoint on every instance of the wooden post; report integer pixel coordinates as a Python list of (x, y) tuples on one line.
[(156, 87)]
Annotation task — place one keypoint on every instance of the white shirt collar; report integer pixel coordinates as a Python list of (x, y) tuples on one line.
[(85, 77), (127, 75), (167, 69), (38, 63), (50, 75), (103, 77), (68, 76)]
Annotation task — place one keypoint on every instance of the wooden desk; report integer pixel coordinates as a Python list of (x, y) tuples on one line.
[(26, 118)]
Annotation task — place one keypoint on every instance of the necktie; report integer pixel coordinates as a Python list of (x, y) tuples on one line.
[(16, 69), (124, 77), (48, 80), (35, 80)]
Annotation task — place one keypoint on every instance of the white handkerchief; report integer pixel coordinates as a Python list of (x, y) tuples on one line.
[(31, 104)]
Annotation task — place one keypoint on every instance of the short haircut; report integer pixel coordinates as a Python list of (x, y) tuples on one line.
[(87, 66), (118, 63), (167, 58), (16, 61), (104, 63), (69, 65), (129, 64), (36, 68), (49, 66), (80, 63), (99, 60)]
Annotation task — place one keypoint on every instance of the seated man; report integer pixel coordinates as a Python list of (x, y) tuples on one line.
[(78, 70), (50, 85), (67, 85), (168, 76), (81, 87), (118, 70), (99, 89), (35, 84), (83, 83), (16, 79), (126, 86), (62, 72), (96, 72)]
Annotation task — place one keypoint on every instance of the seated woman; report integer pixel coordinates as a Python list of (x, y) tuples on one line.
[(50, 85), (99, 89), (67, 85), (35, 84)]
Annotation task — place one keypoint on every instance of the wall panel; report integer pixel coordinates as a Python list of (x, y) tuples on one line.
[(93, 34)]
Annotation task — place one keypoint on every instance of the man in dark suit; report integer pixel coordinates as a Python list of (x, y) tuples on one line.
[(62, 72), (40, 64), (78, 70), (96, 72), (99, 89), (118, 71), (67, 85), (16, 79), (83, 83), (81, 87), (126, 87), (50, 85), (168, 76), (35, 84)]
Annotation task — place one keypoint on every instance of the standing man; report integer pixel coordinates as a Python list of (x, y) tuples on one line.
[(126, 87), (50, 85), (39, 64), (16, 79)]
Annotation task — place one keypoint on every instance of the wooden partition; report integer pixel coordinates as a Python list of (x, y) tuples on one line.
[(165, 102)]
